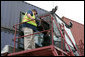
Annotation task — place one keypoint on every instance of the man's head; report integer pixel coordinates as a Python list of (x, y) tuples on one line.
[(34, 11)]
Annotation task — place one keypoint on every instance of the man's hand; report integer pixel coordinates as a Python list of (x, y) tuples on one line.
[(28, 15)]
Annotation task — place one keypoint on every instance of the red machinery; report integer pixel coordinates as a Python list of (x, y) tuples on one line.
[(51, 50)]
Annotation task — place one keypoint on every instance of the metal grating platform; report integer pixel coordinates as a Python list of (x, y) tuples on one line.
[(43, 51)]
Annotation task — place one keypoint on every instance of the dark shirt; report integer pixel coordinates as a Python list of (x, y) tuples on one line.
[(29, 26), (44, 26)]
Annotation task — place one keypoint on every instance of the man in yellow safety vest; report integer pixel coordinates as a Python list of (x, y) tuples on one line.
[(28, 28)]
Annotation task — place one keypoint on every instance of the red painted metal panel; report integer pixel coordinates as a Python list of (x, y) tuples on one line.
[(43, 51), (55, 52), (15, 39), (48, 50), (28, 51), (77, 31)]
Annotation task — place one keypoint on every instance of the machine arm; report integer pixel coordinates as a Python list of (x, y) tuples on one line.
[(54, 14)]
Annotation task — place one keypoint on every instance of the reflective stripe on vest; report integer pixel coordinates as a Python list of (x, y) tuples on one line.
[(30, 22)]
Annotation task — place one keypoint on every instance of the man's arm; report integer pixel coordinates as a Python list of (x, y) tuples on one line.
[(29, 17)]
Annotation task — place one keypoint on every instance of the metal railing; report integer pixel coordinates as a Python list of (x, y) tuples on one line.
[(15, 27), (51, 30)]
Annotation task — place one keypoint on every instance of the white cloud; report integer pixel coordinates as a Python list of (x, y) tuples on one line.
[(71, 9)]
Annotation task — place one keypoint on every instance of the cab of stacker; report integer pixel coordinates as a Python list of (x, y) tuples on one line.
[(45, 38)]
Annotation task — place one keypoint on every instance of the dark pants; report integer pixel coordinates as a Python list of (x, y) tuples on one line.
[(46, 37), (46, 40)]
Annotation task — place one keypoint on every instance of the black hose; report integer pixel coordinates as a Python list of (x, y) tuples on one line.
[(68, 26)]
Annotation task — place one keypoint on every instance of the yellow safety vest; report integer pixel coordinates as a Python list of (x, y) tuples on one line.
[(30, 22)]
